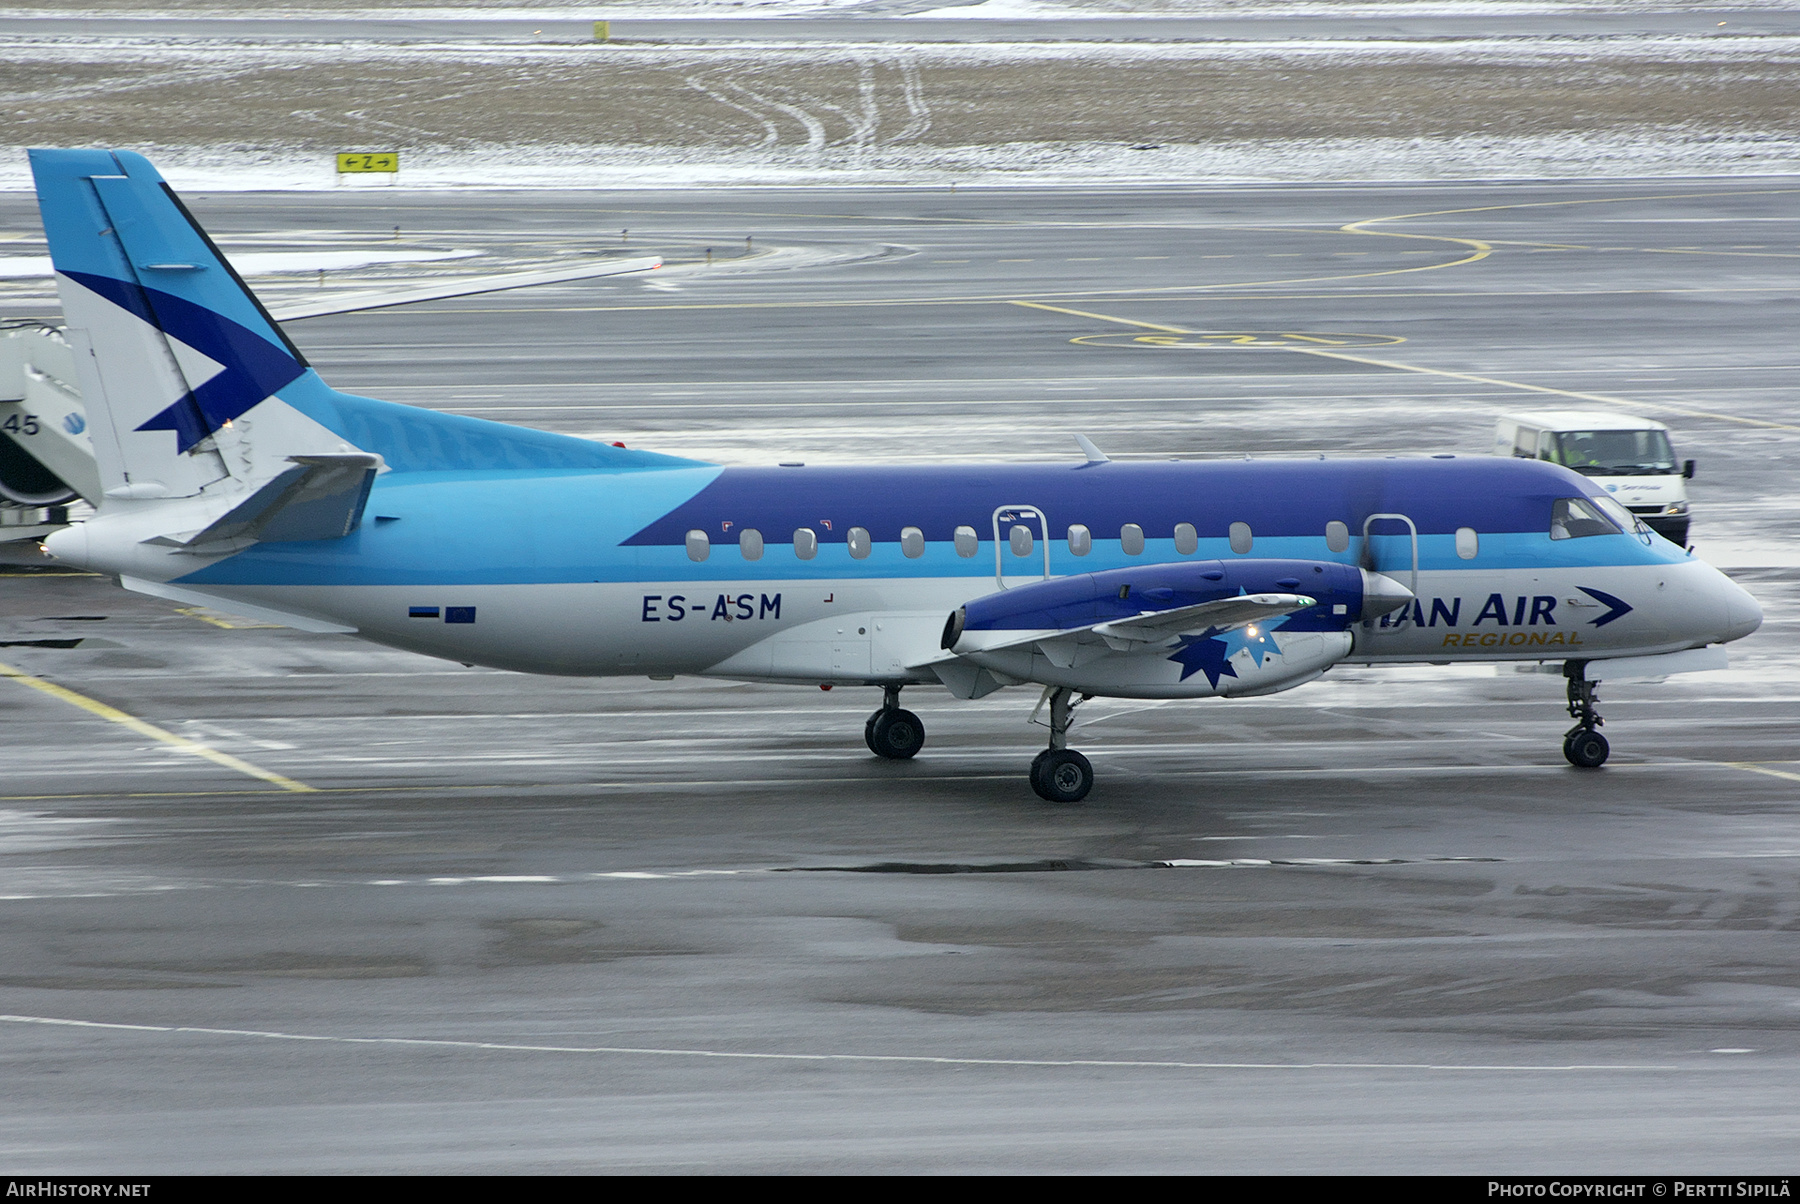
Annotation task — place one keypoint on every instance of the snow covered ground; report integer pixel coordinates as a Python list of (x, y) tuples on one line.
[(246, 115), (554, 10), (1061, 164)]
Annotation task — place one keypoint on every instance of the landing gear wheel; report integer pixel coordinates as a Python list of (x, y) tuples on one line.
[(1586, 748), (1062, 775), (895, 734), (869, 732)]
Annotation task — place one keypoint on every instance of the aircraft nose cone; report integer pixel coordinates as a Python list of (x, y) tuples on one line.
[(1382, 594), (1742, 613)]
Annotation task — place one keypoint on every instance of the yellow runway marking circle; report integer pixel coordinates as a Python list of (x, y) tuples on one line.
[(1204, 340)]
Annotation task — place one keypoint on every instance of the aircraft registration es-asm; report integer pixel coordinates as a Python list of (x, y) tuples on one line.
[(234, 475)]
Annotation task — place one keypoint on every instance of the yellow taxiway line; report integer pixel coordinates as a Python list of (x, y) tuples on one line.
[(1397, 366), (114, 715), (1753, 767)]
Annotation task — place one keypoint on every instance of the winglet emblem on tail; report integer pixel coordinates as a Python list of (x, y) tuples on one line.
[(248, 367)]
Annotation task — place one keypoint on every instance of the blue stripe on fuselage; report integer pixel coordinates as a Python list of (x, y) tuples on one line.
[(513, 528), (1275, 497), (423, 528)]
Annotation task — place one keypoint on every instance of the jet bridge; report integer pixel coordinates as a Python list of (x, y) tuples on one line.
[(47, 470)]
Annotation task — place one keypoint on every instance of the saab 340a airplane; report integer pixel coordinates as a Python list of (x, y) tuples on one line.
[(234, 476)]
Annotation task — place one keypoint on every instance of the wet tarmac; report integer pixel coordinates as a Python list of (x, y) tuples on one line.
[(288, 902)]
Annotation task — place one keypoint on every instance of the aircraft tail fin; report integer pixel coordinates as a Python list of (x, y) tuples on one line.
[(171, 347), (191, 387)]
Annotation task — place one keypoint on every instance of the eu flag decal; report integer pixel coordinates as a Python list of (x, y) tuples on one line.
[(459, 614)]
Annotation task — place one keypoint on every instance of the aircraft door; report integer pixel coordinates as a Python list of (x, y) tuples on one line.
[(1018, 530), (1392, 555)]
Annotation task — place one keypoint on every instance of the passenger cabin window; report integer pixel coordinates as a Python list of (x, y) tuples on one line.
[(912, 543), (1081, 540), (698, 546), (1187, 540), (806, 543), (857, 539), (1578, 517), (1468, 544), (1241, 539), (1337, 536), (750, 543), (1020, 539), (966, 541), (1131, 539)]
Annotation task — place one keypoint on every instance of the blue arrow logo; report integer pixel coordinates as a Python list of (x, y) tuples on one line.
[(1620, 607), (252, 368)]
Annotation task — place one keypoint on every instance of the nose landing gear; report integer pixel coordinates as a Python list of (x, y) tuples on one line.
[(1059, 774), (1583, 747), (891, 732)]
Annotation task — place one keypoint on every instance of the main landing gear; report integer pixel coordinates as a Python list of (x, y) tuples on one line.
[(1584, 747), (892, 732), (1060, 774)]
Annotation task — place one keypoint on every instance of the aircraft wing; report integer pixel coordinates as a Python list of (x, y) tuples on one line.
[(1158, 626), (346, 303), (1152, 626)]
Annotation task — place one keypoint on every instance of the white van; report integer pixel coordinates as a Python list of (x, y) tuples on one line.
[(1630, 457)]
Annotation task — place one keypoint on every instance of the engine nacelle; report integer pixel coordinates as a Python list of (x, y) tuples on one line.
[(1054, 632), (25, 482)]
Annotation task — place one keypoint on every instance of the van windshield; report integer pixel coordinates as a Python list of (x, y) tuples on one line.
[(1614, 453)]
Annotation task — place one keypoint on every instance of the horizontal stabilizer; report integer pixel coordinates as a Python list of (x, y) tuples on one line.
[(349, 303), (321, 497)]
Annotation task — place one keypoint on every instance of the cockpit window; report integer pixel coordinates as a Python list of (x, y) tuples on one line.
[(1611, 453), (1577, 517), (1626, 520)]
